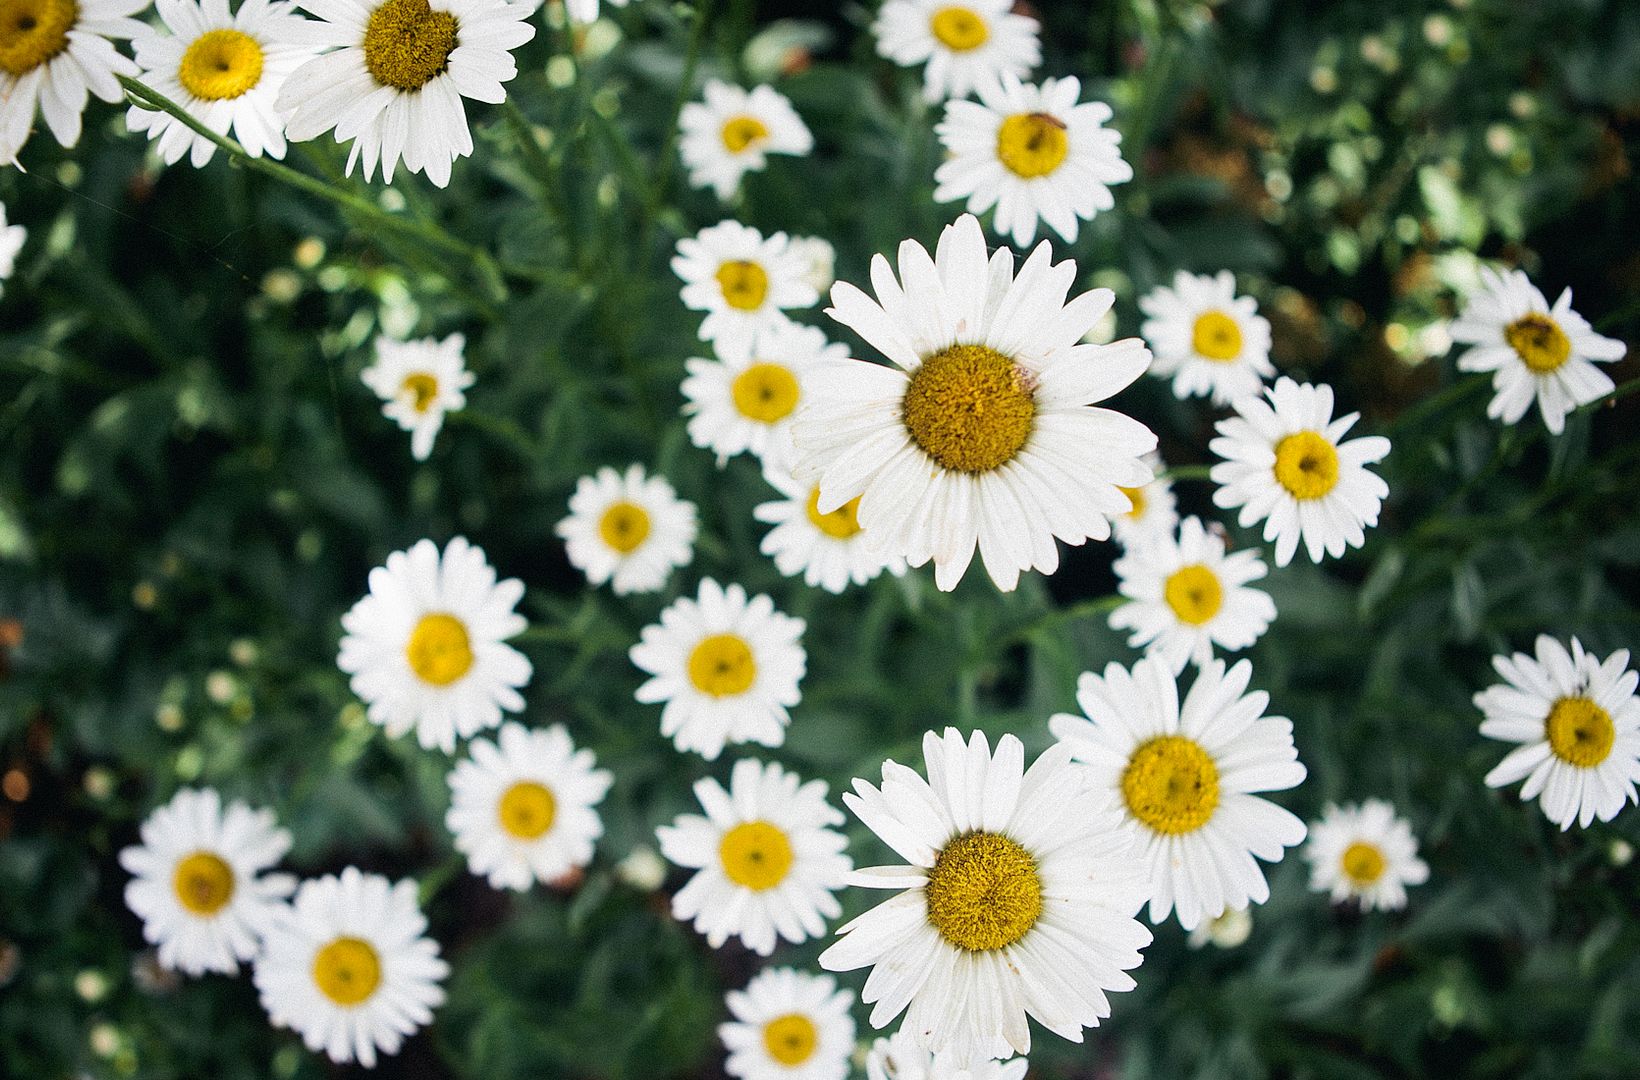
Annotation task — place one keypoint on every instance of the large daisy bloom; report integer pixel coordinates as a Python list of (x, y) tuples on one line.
[(1287, 464), (767, 857), (1153, 508), (902, 1056), (1184, 777), (419, 382), (1017, 899), (628, 529), (828, 550), (1534, 351), (979, 435), (1577, 721), (54, 54), (789, 1025), (1032, 152), (11, 242), (1364, 853), (1211, 341), (725, 666), (734, 131), (962, 45), (198, 881), (427, 647), (396, 77), (523, 809), (350, 967), (743, 280)]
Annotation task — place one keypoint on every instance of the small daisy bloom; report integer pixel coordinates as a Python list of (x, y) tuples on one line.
[(726, 667), (1186, 595), (1032, 152), (350, 968), (1577, 721), (742, 280), (1230, 929), (1286, 464), (829, 550), (734, 131), (962, 45), (524, 808), (11, 242), (1534, 351), (394, 81), (1017, 899), (767, 857), (1184, 778), (979, 435), (54, 54), (1364, 853), (628, 529), (198, 881), (419, 382), (1211, 341), (427, 647), (1153, 509), (585, 11), (820, 258), (789, 1025), (902, 1056)]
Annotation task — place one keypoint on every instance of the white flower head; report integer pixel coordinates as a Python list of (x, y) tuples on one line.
[(828, 550), (1229, 929), (962, 45), (1212, 342), (54, 54), (585, 11), (11, 242), (734, 131), (789, 1025), (628, 529), (1153, 508), (821, 259), (903, 1056), (744, 281), (1364, 853), (419, 382)]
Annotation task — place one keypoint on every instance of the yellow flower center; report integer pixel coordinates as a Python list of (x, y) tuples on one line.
[(1306, 465), (1136, 496), (983, 892), (439, 650), (527, 810), (203, 882), (1216, 336), (1539, 342), (407, 44), (958, 28), (1580, 732), (624, 527), (423, 388), (969, 408), (790, 1039), (842, 523), (34, 31), (722, 665), (739, 132), (755, 855), (1194, 594), (221, 64), (1362, 863), (765, 392), (347, 971), (1171, 784), (745, 284), (1032, 144)]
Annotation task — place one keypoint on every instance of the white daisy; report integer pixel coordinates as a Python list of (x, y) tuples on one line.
[(1211, 341), (523, 808), (902, 1056), (349, 966), (1229, 929), (742, 280), (829, 550), (396, 77), (1533, 351), (1578, 722), (11, 242), (419, 382), (1364, 853), (427, 647), (1153, 509), (1185, 595), (789, 1025), (963, 45), (734, 131), (585, 11), (53, 55), (628, 529), (198, 881), (767, 858), (1184, 776), (820, 258), (1286, 465), (726, 667), (1018, 900), (1030, 151), (980, 435)]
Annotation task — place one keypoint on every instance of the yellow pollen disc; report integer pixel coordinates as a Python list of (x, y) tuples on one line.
[(347, 971), (765, 392), (1539, 342), (1216, 336), (439, 650), (203, 882), (407, 44), (1136, 496), (1194, 594), (722, 665), (958, 28), (842, 523), (790, 1039), (1306, 465), (755, 855), (1171, 784), (1580, 732), (983, 892), (1032, 144), (220, 65), (744, 284), (1362, 863), (969, 408), (33, 32), (624, 527), (423, 389), (743, 131), (527, 810)]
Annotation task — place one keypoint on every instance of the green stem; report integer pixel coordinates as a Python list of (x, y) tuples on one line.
[(1437, 402), (665, 163), (1188, 472)]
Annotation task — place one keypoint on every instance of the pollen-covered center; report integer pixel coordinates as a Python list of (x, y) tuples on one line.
[(841, 524), (33, 32), (765, 392), (624, 527), (527, 810), (755, 855), (347, 971), (983, 892), (959, 28), (970, 408), (1306, 465), (722, 665), (1216, 336), (1362, 863), (439, 650), (221, 65), (407, 44), (741, 132), (790, 1039), (203, 882), (1194, 593), (745, 284), (1136, 496), (1171, 784), (1539, 342), (423, 390), (1580, 732), (1030, 145)]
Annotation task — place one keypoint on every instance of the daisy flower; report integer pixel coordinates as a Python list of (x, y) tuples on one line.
[(1211, 341), (820, 258), (789, 1025), (1577, 721), (198, 882), (962, 45), (902, 1056), (585, 11), (734, 131), (767, 857), (349, 967), (1030, 151), (829, 550), (11, 242), (1185, 595), (979, 436), (418, 382), (1153, 509), (1534, 351), (53, 55), (742, 280), (427, 647), (1364, 853), (629, 529), (1018, 899), (523, 808), (394, 82), (1229, 929), (1286, 465), (1184, 776)]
